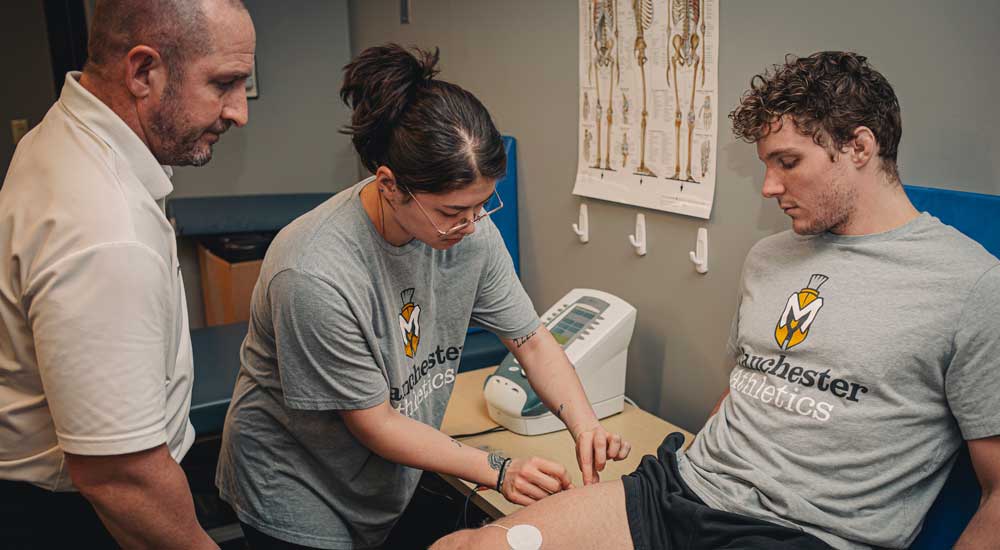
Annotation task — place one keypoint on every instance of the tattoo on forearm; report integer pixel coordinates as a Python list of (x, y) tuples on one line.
[(523, 339), (559, 411), (495, 461), (457, 444)]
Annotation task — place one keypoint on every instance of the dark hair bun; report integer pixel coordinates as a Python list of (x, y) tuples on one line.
[(379, 85)]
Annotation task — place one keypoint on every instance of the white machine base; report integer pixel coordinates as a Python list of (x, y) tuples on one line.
[(548, 422)]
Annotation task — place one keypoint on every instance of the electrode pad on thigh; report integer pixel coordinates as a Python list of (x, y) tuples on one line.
[(524, 537)]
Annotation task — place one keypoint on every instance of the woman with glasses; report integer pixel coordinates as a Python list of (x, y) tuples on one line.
[(358, 321)]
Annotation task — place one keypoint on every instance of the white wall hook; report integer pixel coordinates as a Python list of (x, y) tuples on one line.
[(638, 240), (582, 229), (700, 255)]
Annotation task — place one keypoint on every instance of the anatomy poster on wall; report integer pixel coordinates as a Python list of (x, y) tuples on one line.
[(649, 103)]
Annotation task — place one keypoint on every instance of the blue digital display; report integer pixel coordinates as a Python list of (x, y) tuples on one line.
[(572, 324)]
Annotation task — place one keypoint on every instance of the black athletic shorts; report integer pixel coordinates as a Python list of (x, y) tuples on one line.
[(664, 514)]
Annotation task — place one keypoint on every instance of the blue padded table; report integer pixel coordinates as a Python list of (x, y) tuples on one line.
[(978, 217), (216, 349), (203, 216), (216, 363)]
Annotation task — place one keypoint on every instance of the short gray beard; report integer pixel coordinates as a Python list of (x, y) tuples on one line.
[(177, 147)]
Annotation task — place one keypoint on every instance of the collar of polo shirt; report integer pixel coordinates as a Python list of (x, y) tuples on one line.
[(108, 126)]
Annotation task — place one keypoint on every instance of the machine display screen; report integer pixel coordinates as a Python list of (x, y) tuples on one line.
[(571, 324)]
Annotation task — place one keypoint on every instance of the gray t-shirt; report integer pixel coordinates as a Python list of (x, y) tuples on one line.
[(341, 319), (861, 365)]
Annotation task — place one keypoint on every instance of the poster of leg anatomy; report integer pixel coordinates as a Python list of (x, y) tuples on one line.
[(649, 103)]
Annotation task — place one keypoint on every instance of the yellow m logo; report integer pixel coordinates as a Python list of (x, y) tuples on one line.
[(799, 313), (409, 324)]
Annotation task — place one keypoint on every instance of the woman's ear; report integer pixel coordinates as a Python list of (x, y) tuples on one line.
[(385, 181)]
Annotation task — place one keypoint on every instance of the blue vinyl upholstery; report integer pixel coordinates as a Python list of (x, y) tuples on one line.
[(482, 348), (977, 216), (506, 218), (216, 363), (198, 216), (506, 222)]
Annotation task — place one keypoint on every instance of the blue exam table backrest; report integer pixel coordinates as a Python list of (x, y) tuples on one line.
[(506, 218), (977, 216)]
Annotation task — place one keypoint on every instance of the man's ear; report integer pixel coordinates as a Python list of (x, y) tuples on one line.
[(863, 147), (145, 71)]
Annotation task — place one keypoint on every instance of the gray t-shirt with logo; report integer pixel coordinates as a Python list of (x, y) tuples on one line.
[(340, 320), (861, 365)]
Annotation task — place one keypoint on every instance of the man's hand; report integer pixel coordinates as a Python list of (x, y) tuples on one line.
[(527, 481), (594, 447)]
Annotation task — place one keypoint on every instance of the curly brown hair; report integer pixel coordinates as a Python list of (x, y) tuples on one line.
[(828, 94)]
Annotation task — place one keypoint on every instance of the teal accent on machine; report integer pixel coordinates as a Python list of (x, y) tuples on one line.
[(594, 328)]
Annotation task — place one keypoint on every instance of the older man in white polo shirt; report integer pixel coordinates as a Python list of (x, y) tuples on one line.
[(95, 353)]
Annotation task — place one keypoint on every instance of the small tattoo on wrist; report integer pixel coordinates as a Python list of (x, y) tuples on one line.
[(523, 339), (495, 460), (560, 411)]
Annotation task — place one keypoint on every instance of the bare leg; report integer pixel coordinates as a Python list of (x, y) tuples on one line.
[(588, 518), (611, 109), (677, 112)]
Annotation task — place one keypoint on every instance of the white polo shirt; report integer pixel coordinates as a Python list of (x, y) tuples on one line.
[(95, 352)]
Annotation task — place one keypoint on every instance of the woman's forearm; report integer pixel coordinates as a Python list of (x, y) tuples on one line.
[(555, 380), (401, 439)]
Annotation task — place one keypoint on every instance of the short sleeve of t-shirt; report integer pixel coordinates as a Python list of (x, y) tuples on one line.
[(502, 306), (734, 332), (102, 323), (732, 344), (973, 379), (324, 360)]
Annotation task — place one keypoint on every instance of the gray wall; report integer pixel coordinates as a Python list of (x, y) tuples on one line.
[(27, 90), (520, 58), (291, 144)]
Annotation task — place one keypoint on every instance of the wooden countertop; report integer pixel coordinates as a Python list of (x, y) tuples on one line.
[(467, 413)]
